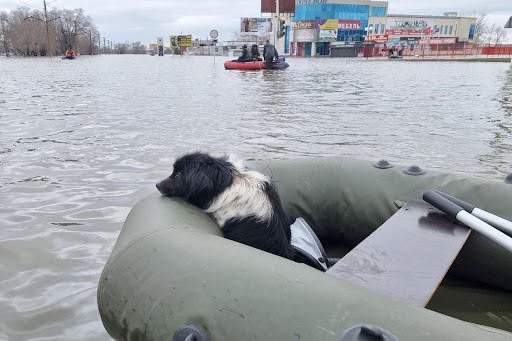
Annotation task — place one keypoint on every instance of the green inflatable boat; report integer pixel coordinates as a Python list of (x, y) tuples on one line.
[(172, 276)]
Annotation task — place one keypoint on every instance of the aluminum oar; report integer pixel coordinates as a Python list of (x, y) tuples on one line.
[(456, 212), (492, 219)]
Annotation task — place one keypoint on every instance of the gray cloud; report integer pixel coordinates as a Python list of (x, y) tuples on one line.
[(144, 20)]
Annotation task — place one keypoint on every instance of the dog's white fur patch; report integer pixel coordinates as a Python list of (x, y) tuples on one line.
[(245, 197)]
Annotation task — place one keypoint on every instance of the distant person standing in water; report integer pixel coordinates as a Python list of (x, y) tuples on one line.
[(269, 53)]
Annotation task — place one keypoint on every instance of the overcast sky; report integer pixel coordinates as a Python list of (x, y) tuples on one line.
[(144, 20)]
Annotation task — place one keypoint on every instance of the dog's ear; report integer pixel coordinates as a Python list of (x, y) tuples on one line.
[(207, 181)]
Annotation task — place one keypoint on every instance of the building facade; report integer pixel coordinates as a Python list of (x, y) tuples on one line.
[(317, 24), (412, 30), (321, 27)]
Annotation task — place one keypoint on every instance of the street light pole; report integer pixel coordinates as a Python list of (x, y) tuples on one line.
[(276, 26)]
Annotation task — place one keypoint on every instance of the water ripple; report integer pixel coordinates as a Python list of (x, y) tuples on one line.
[(75, 156)]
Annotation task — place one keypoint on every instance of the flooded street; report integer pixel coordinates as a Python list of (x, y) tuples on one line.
[(82, 141)]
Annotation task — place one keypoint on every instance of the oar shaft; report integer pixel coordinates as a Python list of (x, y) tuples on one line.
[(500, 223), (492, 219), (455, 211), (487, 230)]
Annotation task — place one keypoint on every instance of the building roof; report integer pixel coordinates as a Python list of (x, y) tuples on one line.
[(509, 23), (428, 16)]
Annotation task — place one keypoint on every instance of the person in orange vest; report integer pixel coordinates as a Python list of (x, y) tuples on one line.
[(70, 53)]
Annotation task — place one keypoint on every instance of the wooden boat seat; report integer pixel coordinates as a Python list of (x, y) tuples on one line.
[(407, 256)]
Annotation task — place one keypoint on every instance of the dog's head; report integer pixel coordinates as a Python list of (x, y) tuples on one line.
[(198, 178)]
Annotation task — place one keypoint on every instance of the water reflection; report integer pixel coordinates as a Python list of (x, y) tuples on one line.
[(501, 129), (82, 141)]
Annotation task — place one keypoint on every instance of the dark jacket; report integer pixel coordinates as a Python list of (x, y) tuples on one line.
[(269, 51), (245, 55), (255, 53)]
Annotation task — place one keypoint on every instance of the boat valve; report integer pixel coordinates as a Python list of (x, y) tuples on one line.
[(414, 170), (382, 164), (189, 333)]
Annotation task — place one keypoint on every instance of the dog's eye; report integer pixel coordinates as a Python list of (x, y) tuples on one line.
[(177, 175)]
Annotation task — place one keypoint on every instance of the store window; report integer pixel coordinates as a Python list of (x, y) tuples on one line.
[(378, 11), (471, 35)]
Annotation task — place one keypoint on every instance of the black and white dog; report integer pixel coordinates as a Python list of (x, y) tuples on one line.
[(244, 203)]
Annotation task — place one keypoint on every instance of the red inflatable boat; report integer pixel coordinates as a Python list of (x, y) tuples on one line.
[(257, 65)]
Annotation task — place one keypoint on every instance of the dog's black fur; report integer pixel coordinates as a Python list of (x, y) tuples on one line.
[(235, 197)]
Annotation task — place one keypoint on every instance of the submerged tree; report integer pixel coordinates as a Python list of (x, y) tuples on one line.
[(72, 24)]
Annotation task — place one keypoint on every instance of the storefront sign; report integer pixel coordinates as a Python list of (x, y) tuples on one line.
[(326, 24), (310, 2), (408, 26), (303, 25), (376, 37), (426, 31), (343, 44), (327, 35), (349, 24), (437, 41), (305, 36)]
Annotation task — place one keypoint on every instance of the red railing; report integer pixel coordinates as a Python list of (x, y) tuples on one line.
[(457, 50)]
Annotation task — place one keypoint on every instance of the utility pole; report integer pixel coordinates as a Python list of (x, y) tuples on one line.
[(46, 21), (276, 26), (91, 47), (4, 39), (47, 29)]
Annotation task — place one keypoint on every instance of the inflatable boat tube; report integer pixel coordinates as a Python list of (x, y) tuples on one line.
[(171, 271), (258, 65)]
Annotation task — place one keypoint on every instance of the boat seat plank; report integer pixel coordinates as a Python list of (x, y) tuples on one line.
[(406, 257)]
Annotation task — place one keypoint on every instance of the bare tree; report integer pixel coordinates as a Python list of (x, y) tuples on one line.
[(480, 28), (138, 48), (123, 48), (4, 33), (73, 23), (23, 32), (495, 35)]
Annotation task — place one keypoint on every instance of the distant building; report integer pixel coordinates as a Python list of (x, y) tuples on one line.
[(416, 29), (316, 27)]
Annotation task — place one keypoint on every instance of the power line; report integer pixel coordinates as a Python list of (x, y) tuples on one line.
[(18, 5), (24, 3)]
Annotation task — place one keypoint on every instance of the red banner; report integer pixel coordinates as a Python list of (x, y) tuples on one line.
[(399, 32), (376, 37)]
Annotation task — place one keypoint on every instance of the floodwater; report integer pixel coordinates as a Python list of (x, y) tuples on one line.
[(81, 141)]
